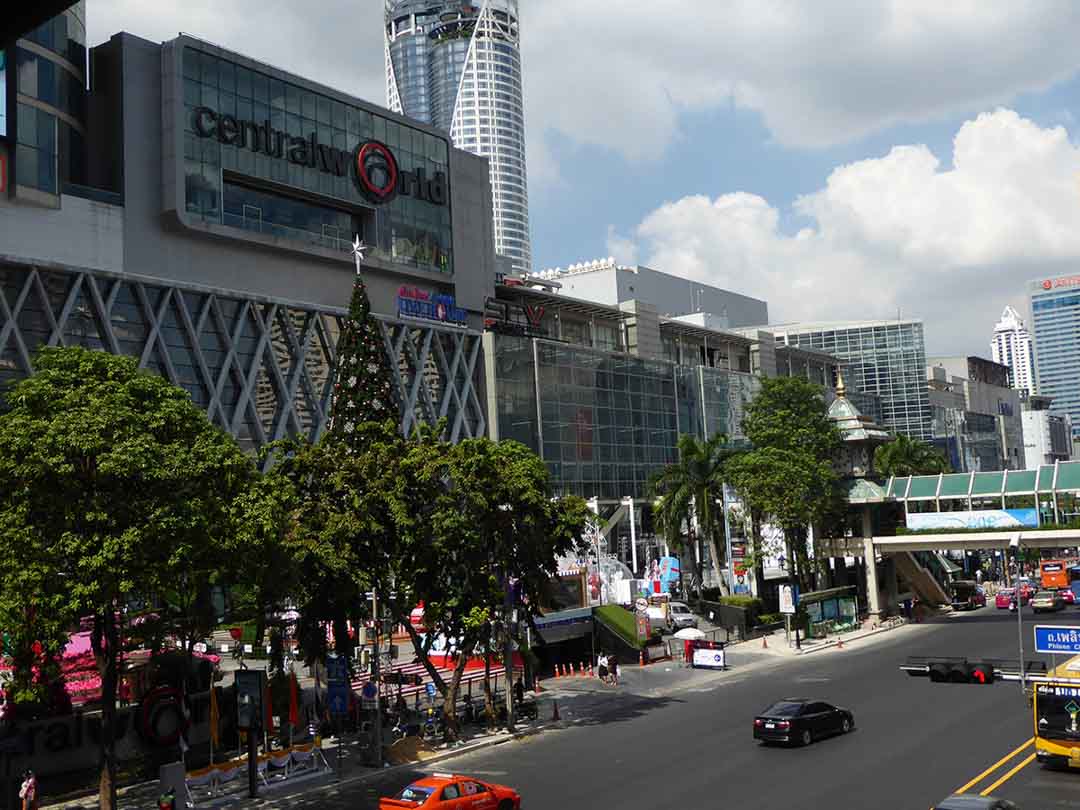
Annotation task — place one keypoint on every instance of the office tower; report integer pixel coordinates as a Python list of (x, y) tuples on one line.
[(1055, 309), (457, 65), (1012, 347), (888, 358)]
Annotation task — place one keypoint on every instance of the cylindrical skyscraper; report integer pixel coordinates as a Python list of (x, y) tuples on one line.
[(457, 65)]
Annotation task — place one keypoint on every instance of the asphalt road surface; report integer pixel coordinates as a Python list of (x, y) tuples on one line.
[(915, 742)]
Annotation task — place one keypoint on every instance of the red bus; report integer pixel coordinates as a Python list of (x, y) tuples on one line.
[(1054, 575)]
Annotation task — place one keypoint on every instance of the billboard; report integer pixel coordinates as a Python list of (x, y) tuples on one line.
[(976, 519)]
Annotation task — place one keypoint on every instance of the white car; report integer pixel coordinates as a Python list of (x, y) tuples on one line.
[(681, 616)]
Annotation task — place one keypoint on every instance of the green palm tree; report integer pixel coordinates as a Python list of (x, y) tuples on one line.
[(907, 456), (692, 489)]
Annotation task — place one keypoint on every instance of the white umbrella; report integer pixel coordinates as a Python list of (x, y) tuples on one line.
[(690, 634)]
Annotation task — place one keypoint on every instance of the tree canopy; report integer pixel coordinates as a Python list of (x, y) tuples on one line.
[(907, 456), (112, 483), (691, 490)]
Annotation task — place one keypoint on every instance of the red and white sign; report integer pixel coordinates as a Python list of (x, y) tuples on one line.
[(1062, 281)]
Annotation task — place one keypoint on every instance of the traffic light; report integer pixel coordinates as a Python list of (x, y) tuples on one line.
[(950, 670)]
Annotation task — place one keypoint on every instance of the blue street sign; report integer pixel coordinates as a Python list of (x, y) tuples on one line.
[(430, 688), (1057, 639), (337, 685)]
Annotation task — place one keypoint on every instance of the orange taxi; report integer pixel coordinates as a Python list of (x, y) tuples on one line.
[(444, 790)]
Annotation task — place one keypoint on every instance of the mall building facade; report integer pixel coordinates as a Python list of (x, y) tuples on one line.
[(602, 393), (211, 238)]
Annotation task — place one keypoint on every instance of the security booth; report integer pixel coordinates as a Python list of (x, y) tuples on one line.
[(833, 610)]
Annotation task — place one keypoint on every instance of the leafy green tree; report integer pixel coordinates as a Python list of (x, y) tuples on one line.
[(789, 415), (907, 456), (116, 478), (689, 489), (792, 488)]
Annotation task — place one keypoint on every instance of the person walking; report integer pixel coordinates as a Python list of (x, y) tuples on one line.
[(28, 791), (613, 669), (601, 667)]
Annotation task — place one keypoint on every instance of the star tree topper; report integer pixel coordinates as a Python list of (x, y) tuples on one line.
[(358, 248)]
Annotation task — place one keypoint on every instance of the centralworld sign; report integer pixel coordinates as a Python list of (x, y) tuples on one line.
[(372, 165)]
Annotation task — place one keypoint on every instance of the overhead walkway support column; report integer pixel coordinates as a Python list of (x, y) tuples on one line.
[(873, 594)]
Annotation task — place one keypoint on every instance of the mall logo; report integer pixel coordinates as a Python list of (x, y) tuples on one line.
[(372, 165)]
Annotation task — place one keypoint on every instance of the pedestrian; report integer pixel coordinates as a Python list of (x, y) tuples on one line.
[(28, 791), (601, 667), (613, 668), (519, 691)]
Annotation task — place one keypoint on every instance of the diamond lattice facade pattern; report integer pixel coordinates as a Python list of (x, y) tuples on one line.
[(261, 369)]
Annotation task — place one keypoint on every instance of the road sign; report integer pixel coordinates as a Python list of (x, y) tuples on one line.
[(789, 598), (337, 685), (429, 687), (641, 605), (1050, 638)]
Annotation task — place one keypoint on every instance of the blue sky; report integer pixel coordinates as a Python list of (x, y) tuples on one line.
[(839, 160)]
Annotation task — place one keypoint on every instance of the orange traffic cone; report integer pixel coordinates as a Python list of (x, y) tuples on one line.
[(573, 669), (584, 671), (555, 711), (536, 686), (558, 671), (839, 643), (764, 642), (642, 658)]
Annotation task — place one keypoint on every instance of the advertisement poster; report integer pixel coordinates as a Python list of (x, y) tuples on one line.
[(708, 659), (978, 519)]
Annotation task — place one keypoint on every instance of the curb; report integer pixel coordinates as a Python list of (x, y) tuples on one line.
[(830, 644)]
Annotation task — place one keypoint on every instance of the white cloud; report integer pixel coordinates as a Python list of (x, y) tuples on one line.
[(619, 73), (896, 232), (338, 43)]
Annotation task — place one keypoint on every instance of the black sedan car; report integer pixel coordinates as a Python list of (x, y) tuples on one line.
[(801, 721)]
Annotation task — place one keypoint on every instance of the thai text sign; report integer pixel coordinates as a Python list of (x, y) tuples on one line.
[(1057, 639), (977, 519)]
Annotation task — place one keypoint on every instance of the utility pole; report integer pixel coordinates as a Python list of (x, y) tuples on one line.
[(1015, 543)]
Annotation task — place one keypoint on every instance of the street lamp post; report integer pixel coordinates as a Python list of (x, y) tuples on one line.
[(1015, 543)]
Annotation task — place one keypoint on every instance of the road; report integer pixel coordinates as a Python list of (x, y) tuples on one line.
[(915, 742)]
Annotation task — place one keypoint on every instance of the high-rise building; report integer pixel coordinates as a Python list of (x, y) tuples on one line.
[(1011, 347), (1055, 309), (887, 358), (456, 64)]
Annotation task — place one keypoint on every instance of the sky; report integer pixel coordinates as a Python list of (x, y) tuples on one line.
[(840, 160)]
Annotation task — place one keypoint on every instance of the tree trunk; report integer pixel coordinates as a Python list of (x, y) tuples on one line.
[(450, 700), (107, 645), (489, 699), (758, 561)]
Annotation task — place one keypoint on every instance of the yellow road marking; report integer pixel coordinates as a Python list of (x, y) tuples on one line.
[(1009, 775), (995, 766)]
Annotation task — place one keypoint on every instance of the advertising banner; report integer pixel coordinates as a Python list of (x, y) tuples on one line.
[(708, 659), (977, 519)]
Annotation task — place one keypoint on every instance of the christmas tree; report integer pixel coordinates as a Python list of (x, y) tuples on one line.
[(364, 381)]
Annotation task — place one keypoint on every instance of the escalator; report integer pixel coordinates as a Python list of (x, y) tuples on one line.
[(926, 575)]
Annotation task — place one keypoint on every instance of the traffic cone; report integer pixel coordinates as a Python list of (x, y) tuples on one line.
[(839, 643), (536, 686), (591, 673), (764, 642), (555, 711), (573, 669), (584, 671), (558, 671), (642, 658)]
